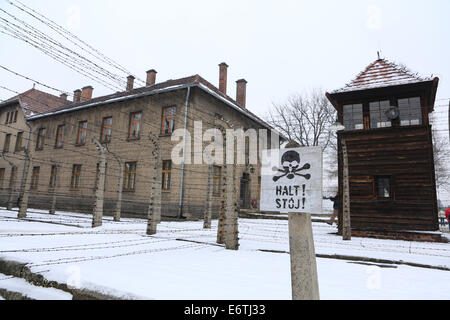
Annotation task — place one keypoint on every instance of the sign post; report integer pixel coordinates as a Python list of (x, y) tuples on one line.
[(292, 183)]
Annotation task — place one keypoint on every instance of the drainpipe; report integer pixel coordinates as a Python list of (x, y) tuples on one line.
[(180, 206)]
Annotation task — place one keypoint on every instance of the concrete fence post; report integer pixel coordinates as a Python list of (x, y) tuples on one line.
[(26, 187), (118, 205), (305, 284), (12, 182), (346, 224), (55, 186), (154, 208), (12, 188), (209, 199), (100, 188), (231, 210), (222, 214)]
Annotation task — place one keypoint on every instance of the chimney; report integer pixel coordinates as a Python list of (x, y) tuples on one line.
[(63, 96), (86, 93), (130, 83), (223, 77), (241, 92), (151, 77), (77, 95)]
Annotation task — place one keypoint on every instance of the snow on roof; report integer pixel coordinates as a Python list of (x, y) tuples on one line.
[(382, 73)]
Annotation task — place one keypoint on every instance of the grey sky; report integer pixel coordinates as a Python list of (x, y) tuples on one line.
[(280, 47)]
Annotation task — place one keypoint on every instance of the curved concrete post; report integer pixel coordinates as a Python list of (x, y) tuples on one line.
[(100, 188), (208, 209), (228, 219), (25, 191), (12, 184), (53, 206), (154, 208), (118, 206)]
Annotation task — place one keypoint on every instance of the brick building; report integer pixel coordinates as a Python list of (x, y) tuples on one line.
[(63, 137)]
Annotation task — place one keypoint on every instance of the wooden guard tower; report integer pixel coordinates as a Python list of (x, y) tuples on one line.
[(385, 111)]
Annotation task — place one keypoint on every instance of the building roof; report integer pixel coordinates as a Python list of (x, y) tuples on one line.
[(35, 101), (170, 85), (382, 73)]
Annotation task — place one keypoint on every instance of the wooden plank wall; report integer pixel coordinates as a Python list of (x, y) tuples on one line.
[(405, 154)]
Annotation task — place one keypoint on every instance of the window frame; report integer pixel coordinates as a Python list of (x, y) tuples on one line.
[(377, 187), (107, 138), (35, 178), (40, 140), (130, 175), (166, 181), (139, 125), (59, 143), (352, 120), (82, 133), (409, 108), (171, 118), (7, 143), (75, 182), (382, 120)]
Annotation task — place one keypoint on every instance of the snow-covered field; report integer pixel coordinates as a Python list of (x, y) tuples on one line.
[(183, 261)]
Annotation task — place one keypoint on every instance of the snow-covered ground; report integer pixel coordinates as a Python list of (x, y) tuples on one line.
[(183, 261), (19, 285)]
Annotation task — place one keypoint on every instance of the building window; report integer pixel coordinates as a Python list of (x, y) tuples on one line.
[(76, 177), (2, 177), (168, 121), (7, 143), (35, 178), (353, 117), (166, 174), (7, 117), (378, 118), (383, 187), (60, 136), (15, 116), (410, 111), (82, 132), (40, 139), (129, 183), (53, 173), (19, 142), (105, 135), (217, 178), (135, 125)]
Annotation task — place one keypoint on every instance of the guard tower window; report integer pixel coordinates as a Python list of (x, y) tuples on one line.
[(410, 111), (353, 117), (378, 118), (383, 187)]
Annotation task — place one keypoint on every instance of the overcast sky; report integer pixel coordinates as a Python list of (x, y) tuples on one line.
[(279, 47)]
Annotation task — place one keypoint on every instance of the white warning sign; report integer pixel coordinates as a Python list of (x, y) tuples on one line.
[(291, 180)]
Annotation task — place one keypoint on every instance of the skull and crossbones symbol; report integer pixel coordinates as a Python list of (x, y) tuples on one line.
[(290, 161)]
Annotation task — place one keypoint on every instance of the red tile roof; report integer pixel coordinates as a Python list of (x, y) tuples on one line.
[(382, 73), (35, 101)]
